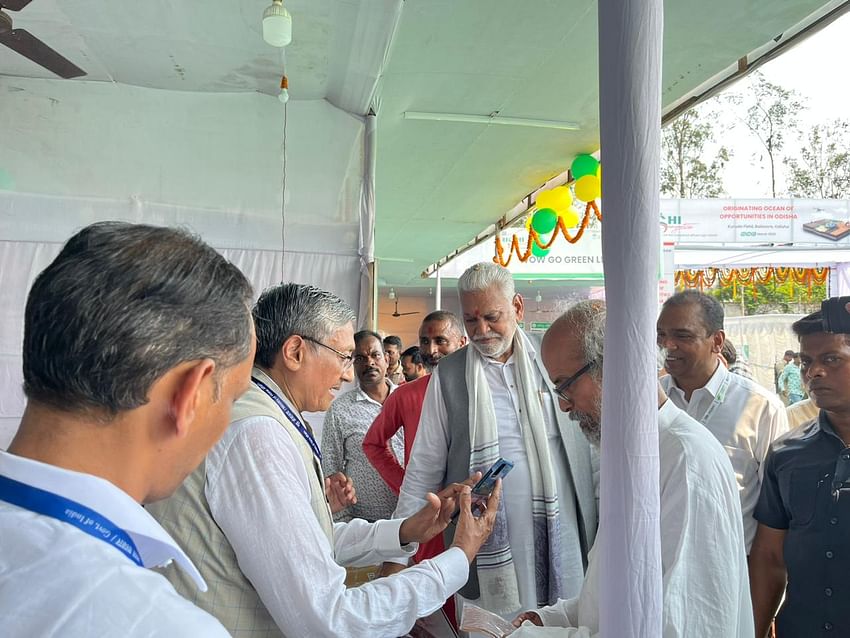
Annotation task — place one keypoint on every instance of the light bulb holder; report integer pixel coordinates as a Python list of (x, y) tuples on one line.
[(277, 24), (284, 90)]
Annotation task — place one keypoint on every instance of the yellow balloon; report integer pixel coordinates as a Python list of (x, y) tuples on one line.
[(570, 217), (563, 198), (588, 188), (546, 199), (528, 222), (557, 199)]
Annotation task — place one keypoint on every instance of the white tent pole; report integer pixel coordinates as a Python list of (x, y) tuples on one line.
[(438, 303), (630, 588), (368, 311)]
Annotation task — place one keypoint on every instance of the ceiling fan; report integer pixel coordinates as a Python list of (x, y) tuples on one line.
[(396, 313), (31, 47)]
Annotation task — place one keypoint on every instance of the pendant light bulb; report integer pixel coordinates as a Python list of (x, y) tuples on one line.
[(277, 24), (391, 295), (284, 90)]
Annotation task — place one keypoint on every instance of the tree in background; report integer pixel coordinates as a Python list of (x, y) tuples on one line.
[(770, 115), (823, 168), (684, 171), (772, 297)]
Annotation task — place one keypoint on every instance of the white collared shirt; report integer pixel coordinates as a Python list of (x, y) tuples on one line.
[(58, 580), (704, 568), (745, 421)]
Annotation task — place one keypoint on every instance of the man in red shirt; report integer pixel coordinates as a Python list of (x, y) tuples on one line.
[(441, 333)]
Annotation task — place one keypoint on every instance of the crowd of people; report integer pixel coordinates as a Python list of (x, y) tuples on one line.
[(165, 482)]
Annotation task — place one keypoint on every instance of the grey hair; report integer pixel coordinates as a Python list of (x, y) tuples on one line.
[(482, 275), (296, 309), (120, 306), (587, 319)]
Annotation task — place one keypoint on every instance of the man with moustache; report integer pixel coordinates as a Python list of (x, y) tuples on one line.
[(802, 547), (489, 400), (704, 568), (137, 340), (255, 518), (346, 422), (440, 334), (392, 352), (742, 415)]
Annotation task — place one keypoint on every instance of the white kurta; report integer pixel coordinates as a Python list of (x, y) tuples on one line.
[(705, 580), (258, 491), (427, 464)]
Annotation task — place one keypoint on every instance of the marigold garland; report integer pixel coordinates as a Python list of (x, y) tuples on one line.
[(499, 257), (751, 277)]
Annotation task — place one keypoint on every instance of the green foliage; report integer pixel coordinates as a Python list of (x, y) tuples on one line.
[(824, 169), (685, 170), (773, 297)]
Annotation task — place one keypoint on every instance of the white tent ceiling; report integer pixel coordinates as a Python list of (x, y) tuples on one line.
[(438, 183)]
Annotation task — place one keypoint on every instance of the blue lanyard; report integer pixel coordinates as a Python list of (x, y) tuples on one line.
[(68, 511), (294, 420)]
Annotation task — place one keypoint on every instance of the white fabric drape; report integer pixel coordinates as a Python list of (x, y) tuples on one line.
[(34, 227), (630, 600)]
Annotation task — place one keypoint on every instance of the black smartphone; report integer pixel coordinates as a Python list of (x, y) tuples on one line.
[(483, 488)]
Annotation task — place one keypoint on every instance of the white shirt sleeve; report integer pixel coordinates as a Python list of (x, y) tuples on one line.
[(359, 543), (259, 494), (772, 425), (426, 469)]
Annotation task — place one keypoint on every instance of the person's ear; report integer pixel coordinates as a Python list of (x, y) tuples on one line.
[(462, 342), (519, 306), (719, 338), (292, 352), (189, 392)]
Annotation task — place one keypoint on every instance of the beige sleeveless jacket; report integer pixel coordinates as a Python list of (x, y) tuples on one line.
[(186, 516)]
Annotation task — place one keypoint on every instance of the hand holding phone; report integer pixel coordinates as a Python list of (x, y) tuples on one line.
[(484, 487)]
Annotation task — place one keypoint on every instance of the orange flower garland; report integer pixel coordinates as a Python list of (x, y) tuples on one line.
[(499, 257), (735, 277)]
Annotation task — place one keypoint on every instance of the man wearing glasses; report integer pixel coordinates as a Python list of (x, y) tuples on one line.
[(492, 399), (345, 426), (255, 518), (803, 537), (704, 568), (742, 415)]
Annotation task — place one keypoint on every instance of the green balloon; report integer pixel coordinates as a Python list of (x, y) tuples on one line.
[(584, 165), (544, 221), (537, 251)]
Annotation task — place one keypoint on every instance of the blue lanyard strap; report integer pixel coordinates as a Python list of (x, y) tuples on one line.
[(294, 420), (70, 512)]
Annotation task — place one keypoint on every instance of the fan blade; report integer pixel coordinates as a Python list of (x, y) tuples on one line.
[(31, 47), (401, 314), (14, 5)]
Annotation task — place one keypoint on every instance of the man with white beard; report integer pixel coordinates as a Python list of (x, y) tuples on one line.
[(492, 400), (704, 567)]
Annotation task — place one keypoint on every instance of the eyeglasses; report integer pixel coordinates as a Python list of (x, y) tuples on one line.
[(563, 386), (347, 359)]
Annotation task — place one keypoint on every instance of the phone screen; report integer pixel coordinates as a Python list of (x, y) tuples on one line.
[(485, 486)]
